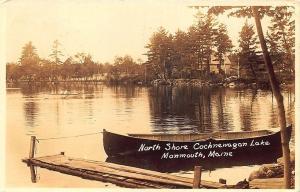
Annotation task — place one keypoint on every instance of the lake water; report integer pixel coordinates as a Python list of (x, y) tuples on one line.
[(44, 112)]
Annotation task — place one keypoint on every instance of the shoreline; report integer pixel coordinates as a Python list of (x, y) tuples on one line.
[(229, 83)]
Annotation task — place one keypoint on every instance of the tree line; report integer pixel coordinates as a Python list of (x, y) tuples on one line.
[(81, 67), (198, 53), (193, 54)]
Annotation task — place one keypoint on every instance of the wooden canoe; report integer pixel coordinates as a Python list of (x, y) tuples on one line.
[(217, 145)]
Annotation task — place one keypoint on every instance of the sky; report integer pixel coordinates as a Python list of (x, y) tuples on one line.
[(104, 29)]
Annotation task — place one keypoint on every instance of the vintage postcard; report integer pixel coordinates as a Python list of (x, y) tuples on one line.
[(149, 94)]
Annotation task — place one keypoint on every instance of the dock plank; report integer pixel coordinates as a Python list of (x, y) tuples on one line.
[(118, 174), (84, 165), (270, 183), (135, 170)]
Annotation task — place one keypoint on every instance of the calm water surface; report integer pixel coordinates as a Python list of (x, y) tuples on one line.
[(43, 112)]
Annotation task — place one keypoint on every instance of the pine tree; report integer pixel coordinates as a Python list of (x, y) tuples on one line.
[(223, 44), (29, 55), (160, 53), (56, 53), (282, 37), (248, 45), (29, 61), (206, 33), (181, 57)]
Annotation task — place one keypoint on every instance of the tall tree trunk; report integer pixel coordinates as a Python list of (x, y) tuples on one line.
[(219, 65), (208, 63), (279, 99), (253, 71)]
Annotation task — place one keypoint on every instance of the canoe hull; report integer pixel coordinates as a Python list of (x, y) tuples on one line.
[(120, 145)]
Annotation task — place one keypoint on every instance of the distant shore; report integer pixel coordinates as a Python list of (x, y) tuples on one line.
[(230, 82)]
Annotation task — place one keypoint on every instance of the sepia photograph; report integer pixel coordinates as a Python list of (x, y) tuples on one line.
[(119, 94)]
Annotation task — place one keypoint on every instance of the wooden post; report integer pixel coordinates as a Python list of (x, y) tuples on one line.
[(32, 173), (32, 147), (31, 156), (197, 177)]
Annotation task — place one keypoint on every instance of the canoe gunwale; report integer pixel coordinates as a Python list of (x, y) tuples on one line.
[(270, 133)]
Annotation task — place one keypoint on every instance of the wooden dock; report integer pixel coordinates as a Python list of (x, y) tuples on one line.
[(132, 177), (120, 175), (270, 183)]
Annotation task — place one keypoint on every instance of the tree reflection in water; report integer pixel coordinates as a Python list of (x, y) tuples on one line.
[(31, 111), (187, 109)]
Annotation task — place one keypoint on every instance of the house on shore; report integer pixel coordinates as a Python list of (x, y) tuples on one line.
[(225, 67)]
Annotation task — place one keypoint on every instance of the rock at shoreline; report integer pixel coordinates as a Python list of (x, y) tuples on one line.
[(272, 170), (267, 171), (228, 82)]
